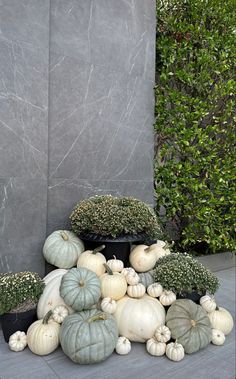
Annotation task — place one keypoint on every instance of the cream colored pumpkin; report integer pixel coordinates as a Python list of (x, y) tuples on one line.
[(113, 285), (162, 334), (123, 346), (137, 290), (17, 341), (127, 270), (167, 298), (175, 351), (108, 305), (132, 278), (43, 335), (208, 303), (218, 337), (155, 347), (116, 265), (222, 320), (143, 258), (93, 260), (59, 313), (161, 249), (155, 290), (137, 319)]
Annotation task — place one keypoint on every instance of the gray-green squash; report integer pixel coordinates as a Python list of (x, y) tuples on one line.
[(146, 278), (89, 336), (189, 325), (80, 288)]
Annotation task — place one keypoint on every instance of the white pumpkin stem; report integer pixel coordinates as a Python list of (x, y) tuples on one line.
[(64, 236), (109, 270), (97, 249), (114, 256), (100, 316), (47, 317)]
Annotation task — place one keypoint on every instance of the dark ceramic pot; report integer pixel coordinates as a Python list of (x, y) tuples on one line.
[(194, 296), (12, 322)]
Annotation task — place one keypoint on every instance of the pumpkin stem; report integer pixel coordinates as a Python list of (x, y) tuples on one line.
[(81, 283), (64, 235), (114, 256), (47, 317), (109, 270), (97, 249), (100, 316), (217, 308), (193, 323)]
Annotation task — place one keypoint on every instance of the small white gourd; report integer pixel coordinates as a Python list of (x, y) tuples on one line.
[(132, 278), (108, 305), (218, 337), (59, 313), (136, 291), (167, 298), (116, 265), (127, 270), (123, 346), (175, 351), (208, 303), (221, 319), (155, 347), (18, 341), (162, 333), (155, 290)]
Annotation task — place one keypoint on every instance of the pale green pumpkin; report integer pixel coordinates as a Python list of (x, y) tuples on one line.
[(80, 288), (146, 278), (88, 337), (189, 325)]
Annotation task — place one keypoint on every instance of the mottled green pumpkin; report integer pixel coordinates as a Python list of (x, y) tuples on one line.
[(189, 325), (80, 288), (88, 337), (146, 278)]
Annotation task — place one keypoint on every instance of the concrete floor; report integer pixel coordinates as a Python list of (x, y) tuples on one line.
[(214, 362)]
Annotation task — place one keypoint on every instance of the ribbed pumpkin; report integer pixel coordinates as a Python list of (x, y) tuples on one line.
[(93, 260), (88, 337), (146, 278), (189, 325), (80, 288), (62, 249), (113, 284)]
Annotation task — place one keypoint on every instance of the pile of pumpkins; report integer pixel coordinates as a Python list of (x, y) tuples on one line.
[(101, 306)]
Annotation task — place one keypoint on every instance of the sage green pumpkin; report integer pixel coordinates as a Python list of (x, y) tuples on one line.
[(89, 337), (189, 325), (146, 278), (80, 288)]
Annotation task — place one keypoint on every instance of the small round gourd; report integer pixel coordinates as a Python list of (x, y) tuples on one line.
[(62, 249), (127, 270), (222, 320), (162, 334), (132, 278), (146, 278), (155, 290), (137, 290), (17, 341), (88, 337), (167, 298), (123, 346), (155, 347), (175, 351), (218, 337), (208, 303), (116, 265), (80, 288), (108, 305), (59, 313), (113, 285), (143, 258), (93, 260)]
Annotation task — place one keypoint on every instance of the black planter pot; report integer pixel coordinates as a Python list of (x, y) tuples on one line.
[(194, 296), (12, 322)]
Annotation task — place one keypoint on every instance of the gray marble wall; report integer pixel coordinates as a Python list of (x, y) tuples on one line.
[(92, 62)]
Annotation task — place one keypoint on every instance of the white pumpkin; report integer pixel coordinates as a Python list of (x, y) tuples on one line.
[(123, 346), (218, 337), (127, 270), (155, 347), (113, 285), (17, 341), (155, 290), (137, 290), (208, 303), (137, 319), (167, 298), (116, 265), (162, 248), (62, 249), (59, 313), (132, 278), (93, 260), (162, 334), (108, 305), (222, 320), (175, 351), (143, 258)]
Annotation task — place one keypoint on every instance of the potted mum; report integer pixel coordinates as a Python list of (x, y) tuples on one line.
[(115, 222), (19, 294), (185, 276)]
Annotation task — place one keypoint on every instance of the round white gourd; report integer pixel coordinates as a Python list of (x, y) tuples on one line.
[(123, 346), (17, 341), (132, 278), (93, 260), (127, 270), (222, 320), (175, 351), (162, 334), (137, 290), (155, 290), (59, 313), (108, 305), (116, 265), (155, 347), (218, 337), (208, 303), (143, 258), (113, 285), (167, 298)]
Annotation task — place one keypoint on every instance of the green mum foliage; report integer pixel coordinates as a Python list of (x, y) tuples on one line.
[(112, 216), (195, 121)]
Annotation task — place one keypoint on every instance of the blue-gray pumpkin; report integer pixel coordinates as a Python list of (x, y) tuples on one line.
[(80, 288), (89, 336), (146, 278)]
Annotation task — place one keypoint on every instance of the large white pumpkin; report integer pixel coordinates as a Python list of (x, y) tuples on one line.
[(222, 320), (62, 249), (137, 319)]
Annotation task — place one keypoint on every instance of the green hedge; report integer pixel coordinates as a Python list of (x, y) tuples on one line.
[(195, 121)]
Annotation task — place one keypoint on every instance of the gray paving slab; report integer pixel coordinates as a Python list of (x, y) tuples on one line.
[(214, 362)]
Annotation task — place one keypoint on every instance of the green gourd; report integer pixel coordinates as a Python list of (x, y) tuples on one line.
[(189, 325), (80, 288), (146, 278), (89, 336)]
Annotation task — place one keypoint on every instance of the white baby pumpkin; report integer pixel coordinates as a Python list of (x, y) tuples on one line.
[(59, 313), (218, 337), (175, 351), (127, 270), (17, 341), (116, 265), (155, 347), (132, 278), (123, 346), (222, 320), (208, 303), (167, 298), (162, 334), (108, 305), (137, 290), (155, 290), (93, 260), (113, 285)]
